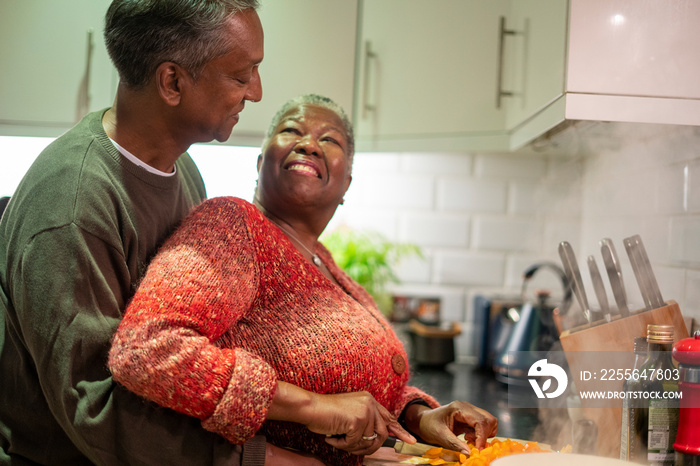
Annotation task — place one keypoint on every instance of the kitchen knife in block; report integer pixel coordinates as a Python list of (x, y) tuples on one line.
[(573, 274), (418, 449), (654, 293), (632, 248), (612, 266), (599, 288)]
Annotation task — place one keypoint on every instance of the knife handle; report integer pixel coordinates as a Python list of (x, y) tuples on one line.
[(612, 266), (633, 253), (653, 292), (390, 442), (599, 288), (573, 273)]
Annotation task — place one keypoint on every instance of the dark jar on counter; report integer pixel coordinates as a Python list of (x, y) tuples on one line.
[(660, 382), (632, 448)]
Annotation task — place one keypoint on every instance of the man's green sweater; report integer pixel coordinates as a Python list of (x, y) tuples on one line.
[(74, 241)]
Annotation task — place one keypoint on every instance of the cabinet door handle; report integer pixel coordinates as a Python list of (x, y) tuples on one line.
[(502, 33), (369, 56), (83, 104)]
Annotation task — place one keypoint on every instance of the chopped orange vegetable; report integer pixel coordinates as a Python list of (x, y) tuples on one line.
[(433, 453), (495, 448)]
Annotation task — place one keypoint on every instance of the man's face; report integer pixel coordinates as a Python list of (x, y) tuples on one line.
[(216, 98)]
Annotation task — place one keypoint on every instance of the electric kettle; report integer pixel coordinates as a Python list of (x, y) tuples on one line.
[(533, 329)]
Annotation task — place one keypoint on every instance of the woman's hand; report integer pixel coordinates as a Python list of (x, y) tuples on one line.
[(275, 456), (440, 426), (354, 422)]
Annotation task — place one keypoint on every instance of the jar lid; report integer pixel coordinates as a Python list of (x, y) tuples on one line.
[(687, 350), (659, 333)]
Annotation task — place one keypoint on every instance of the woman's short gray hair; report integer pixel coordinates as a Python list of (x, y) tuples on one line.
[(321, 101), (142, 34)]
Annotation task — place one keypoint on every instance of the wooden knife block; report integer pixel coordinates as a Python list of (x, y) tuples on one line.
[(617, 335)]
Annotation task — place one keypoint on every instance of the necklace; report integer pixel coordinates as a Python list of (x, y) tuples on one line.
[(314, 257)]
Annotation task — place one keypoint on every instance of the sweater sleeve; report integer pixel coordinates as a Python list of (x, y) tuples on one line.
[(198, 286)]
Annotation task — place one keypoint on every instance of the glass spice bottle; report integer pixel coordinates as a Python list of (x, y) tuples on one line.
[(631, 446), (660, 377)]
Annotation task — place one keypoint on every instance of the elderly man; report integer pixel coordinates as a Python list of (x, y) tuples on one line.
[(86, 219)]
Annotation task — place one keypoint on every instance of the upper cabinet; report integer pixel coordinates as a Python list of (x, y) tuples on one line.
[(55, 67), (453, 75), (533, 56), (414, 75), (309, 48), (627, 61), (427, 75), (638, 59)]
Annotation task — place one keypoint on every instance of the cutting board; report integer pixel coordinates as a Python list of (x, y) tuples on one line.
[(385, 456)]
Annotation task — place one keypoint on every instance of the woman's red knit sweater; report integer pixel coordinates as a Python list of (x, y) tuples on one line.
[(229, 306)]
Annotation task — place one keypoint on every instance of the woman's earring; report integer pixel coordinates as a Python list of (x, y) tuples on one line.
[(342, 201)]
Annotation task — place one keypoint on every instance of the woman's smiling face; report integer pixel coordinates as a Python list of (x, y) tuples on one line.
[(305, 161)]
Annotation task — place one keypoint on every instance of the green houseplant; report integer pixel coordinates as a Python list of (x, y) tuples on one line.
[(369, 258)]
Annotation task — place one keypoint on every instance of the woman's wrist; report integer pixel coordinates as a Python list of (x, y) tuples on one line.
[(291, 403), (411, 416)]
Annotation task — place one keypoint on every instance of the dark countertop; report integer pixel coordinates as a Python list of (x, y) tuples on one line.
[(465, 382)]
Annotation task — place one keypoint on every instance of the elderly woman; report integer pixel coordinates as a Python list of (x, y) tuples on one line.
[(244, 321)]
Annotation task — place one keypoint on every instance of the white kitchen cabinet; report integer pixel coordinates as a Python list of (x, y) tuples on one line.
[(49, 79), (426, 77), (627, 61), (534, 57), (309, 48)]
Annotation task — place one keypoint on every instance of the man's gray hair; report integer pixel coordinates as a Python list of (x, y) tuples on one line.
[(321, 101), (142, 34)]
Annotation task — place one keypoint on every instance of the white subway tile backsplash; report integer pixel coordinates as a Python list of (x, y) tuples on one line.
[(509, 166), (556, 231), (392, 190), (684, 241), (692, 186), (468, 195), (434, 229), (469, 268), (506, 234), (671, 282), (691, 305), (373, 163), (565, 170), (449, 164), (414, 269), (523, 198), (366, 219), (672, 191)]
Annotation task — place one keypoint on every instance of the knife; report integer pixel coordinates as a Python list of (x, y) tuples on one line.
[(573, 273), (653, 291), (612, 266), (418, 449), (633, 253), (599, 288)]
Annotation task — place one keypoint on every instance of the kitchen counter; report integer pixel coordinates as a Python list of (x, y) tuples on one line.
[(464, 382)]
